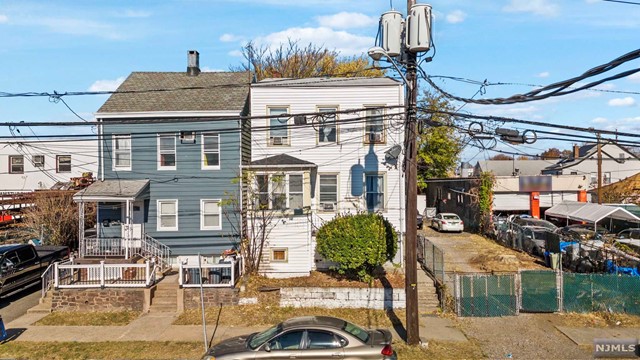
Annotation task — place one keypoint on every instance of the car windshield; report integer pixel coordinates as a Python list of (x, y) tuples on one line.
[(450, 217), (356, 331), (259, 338)]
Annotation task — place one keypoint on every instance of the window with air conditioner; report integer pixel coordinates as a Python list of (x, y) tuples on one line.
[(63, 163), (278, 126), (210, 151), (327, 125), (166, 152), (187, 137), (16, 164), (38, 161), (374, 126), (328, 196), (121, 152), (374, 185)]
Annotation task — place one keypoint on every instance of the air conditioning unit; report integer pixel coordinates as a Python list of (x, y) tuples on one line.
[(277, 140), (375, 137), (327, 206), (188, 137)]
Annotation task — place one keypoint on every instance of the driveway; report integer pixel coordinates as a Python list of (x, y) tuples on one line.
[(466, 252), (16, 305)]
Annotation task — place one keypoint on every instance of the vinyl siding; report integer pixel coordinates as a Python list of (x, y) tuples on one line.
[(188, 184)]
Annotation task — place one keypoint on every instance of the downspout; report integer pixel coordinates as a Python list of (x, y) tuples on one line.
[(100, 150)]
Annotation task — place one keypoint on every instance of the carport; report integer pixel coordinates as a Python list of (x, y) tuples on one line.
[(589, 212)]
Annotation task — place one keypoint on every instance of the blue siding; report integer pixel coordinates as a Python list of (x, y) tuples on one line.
[(188, 183)]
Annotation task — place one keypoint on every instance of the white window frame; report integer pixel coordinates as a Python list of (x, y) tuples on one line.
[(287, 192), (58, 158), (320, 202), (11, 158), (159, 215), (38, 164), (270, 138), (202, 151), (203, 214), (286, 254), (328, 109), (115, 139), (161, 152), (367, 116), (384, 191)]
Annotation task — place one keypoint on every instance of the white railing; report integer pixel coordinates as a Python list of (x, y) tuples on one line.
[(223, 275), (152, 248), (69, 276), (115, 247), (48, 276)]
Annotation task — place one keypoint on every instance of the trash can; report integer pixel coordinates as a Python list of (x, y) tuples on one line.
[(3, 331), (225, 272)]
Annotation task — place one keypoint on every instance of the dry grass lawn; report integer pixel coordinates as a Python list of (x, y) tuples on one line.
[(106, 318), (598, 320)]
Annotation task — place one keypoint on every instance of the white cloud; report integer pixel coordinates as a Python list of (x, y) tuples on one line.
[(634, 78), (3, 19), (235, 53), (626, 101), (536, 7), (106, 85), (345, 43), (79, 27), (456, 17), (544, 74), (600, 120), (346, 20), (230, 38)]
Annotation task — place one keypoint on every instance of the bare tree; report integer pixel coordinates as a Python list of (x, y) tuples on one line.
[(258, 212)]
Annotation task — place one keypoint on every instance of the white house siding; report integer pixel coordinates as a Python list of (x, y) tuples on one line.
[(84, 158), (294, 235), (618, 170), (350, 156)]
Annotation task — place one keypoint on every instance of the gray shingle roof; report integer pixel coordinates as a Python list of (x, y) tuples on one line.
[(112, 189), (176, 91), (326, 82), (281, 160)]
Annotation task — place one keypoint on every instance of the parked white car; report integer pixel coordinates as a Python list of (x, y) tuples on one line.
[(447, 222)]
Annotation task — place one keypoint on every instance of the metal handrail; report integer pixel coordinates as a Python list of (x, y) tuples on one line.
[(48, 275)]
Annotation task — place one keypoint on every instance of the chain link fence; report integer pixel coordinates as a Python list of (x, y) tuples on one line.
[(486, 295), (601, 292)]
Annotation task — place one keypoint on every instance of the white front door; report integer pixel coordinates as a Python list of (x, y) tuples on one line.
[(136, 231)]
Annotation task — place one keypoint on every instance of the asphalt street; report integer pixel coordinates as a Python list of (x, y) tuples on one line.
[(16, 305)]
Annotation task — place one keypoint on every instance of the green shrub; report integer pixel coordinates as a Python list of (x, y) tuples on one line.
[(359, 243)]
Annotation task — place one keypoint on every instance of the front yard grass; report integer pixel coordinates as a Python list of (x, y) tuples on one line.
[(102, 318), (193, 350)]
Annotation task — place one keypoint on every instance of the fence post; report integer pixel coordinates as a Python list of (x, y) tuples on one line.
[(56, 276), (233, 272), (147, 273), (518, 290), (560, 289), (433, 258), (180, 276), (101, 274), (456, 294)]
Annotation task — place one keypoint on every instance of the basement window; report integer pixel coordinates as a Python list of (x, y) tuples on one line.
[(279, 255)]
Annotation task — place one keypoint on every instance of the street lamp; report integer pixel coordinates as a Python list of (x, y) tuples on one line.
[(376, 53)]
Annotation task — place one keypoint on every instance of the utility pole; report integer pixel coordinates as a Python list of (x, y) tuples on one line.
[(411, 180), (599, 169)]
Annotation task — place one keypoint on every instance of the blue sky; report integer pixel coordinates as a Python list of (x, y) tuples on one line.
[(94, 45)]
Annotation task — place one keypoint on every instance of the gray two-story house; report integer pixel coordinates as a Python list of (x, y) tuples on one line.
[(171, 148)]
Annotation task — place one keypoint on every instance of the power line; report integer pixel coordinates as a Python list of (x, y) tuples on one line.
[(622, 2)]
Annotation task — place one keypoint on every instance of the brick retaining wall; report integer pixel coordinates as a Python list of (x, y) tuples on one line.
[(374, 298), (98, 299), (213, 297)]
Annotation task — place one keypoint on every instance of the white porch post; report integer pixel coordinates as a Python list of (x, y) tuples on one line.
[(81, 244), (127, 236)]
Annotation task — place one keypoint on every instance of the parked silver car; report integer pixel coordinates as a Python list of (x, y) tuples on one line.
[(447, 222), (309, 337)]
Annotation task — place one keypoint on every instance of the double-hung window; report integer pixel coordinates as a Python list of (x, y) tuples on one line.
[(296, 192), (278, 129), (327, 127), (122, 152), (16, 164), (375, 192), (63, 163), (210, 215), (328, 192), (279, 191), (166, 152), (374, 126), (210, 151), (167, 215), (262, 192)]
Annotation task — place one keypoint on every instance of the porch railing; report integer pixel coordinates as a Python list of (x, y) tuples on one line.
[(69, 276), (102, 246), (147, 247), (223, 275), (159, 252)]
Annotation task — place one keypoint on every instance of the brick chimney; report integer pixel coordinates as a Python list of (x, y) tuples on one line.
[(193, 63), (576, 151)]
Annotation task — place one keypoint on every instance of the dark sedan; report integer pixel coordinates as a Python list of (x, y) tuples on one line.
[(309, 337)]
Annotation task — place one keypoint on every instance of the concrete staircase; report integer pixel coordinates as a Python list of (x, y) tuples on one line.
[(428, 302), (43, 307), (165, 296)]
